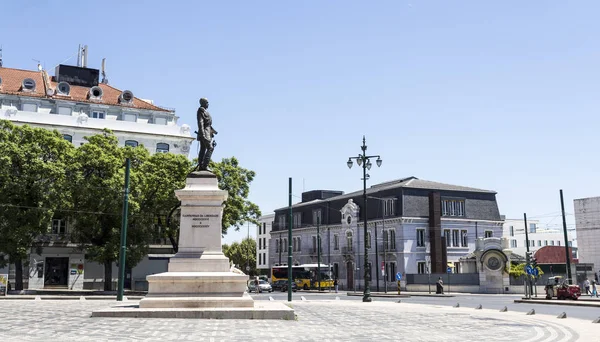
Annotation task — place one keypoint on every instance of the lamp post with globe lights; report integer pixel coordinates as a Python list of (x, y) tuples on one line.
[(365, 161)]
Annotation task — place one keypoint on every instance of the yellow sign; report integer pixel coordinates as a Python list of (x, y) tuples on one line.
[(4, 279)]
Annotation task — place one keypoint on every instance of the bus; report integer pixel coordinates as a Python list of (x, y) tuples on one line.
[(305, 275)]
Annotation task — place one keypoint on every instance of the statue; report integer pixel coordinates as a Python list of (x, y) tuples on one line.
[(205, 135)]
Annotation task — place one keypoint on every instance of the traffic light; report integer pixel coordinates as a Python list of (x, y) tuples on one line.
[(528, 256), (534, 263)]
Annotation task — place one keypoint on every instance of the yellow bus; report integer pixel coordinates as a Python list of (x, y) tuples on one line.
[(305, 275)]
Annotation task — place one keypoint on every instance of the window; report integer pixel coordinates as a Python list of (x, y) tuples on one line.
[(336, 242), (457, 267), (277, 245), (162, 148), (297, 220), (131, 143), (59, 226), (259, 259), (392, 239), (570, 243), (29, 107), (368, 240), (532, 227), (513, 243), (314, 244), (285, 245), (420, 237), (349, 240), (422, 267), (531, 243), (317, 217), (68, 137), (130, 117), (389, 207), (545, 242), (464, 238), (453, 207), (335, 270), (281, 222), (97, 114), (455, 238), (489, 234), (264, 226), (264, 258), (448, 237), (539, 243), (558, 243), (391, 271), (294, 244), (28, 84), (551, 242), (65, 110), (160, 121), (386, 240), (299, 244)]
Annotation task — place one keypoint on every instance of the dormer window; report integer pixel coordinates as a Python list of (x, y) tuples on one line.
[(97, 114), (160, 121), (96, 93), (63, 88), (126, 97), (28, 84)]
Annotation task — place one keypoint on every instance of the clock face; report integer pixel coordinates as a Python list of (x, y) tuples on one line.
[(493, 263), (349, 219)]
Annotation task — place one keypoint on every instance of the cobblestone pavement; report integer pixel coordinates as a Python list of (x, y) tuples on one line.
[(69, 320)]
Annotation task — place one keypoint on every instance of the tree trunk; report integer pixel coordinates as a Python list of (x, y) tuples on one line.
[(173, 242), (108, 276), (18, 275)]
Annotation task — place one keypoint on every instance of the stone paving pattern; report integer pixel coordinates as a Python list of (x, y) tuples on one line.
[(69, 320)]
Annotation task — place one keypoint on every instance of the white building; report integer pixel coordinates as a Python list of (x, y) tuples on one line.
[(587, 225), (263, 234), (76, 104), (514, 231)]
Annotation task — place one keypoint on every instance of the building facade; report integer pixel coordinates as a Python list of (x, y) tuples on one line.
[(514, 231), (75, 103), (414, 227), (587, 225), (263, 234)]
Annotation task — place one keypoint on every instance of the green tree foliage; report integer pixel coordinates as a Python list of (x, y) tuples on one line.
[(97, 192), (518, 270), (242, 254), (33, 182), (236, 180)]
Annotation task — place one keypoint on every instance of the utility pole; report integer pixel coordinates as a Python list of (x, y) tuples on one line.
[(567, 256), (384, 253), (121, 281), (318, 253), (248, 251), (290, 244), (529, 292), (376, 257)]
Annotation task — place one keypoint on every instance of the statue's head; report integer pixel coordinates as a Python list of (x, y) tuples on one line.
[(204, 102)]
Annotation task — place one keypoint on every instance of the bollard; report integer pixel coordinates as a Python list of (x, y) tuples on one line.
[(597, 320), (38, 298), (479, 307), (399, 301), (271, 299), (337, 298), (562, 315), (504, 309), (457, 305), (531, 312), (81, 298), (303, 298)]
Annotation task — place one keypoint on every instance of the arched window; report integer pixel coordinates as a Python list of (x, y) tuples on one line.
[(392, 239), (162, 148), (68, 137), (133, 143), (349, 240)]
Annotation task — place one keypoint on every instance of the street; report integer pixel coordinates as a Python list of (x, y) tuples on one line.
[(495, 302)]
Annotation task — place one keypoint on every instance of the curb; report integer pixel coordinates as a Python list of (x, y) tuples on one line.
[(557, 302)]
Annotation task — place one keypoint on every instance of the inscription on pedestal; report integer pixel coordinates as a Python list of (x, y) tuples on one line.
[(201, 220)]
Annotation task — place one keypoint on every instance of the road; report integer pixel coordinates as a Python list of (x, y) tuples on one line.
[(495, 302)]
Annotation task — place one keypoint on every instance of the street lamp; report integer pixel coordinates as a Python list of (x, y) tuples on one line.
[(364, 161)]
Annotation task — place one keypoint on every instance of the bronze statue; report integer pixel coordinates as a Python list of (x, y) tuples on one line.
[(205, 135)]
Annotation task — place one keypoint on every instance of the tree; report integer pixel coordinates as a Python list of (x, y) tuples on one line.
[(97, 193), (33, 182), (242, 254), (236, 180), (518, 270)]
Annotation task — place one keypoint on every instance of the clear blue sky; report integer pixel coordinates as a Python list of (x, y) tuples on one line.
[(498, 95)]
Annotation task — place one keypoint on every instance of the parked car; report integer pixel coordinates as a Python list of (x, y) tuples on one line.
[(558, 288), (262, 286), (278, 284), (284, 287)]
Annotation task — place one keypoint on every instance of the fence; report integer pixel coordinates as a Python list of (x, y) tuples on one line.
[(454, 278)]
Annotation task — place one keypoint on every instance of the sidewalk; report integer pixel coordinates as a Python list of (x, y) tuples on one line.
[(403, 294)]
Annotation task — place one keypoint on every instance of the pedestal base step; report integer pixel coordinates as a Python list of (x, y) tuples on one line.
[(266, 310), (197, 302)]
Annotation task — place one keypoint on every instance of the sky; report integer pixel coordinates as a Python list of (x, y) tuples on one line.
[(496, 95)]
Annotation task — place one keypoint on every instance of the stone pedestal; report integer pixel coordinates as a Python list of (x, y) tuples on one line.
[(199, 274)]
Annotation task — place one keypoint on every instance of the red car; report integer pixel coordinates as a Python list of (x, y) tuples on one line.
[(557, 288)]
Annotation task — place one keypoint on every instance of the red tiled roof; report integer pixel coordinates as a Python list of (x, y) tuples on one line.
[(553, 255), (13, 78)]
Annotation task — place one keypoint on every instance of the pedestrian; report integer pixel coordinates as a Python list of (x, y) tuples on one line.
[(440, 286), (586, 286), (335, 284), (256, 282), (594, 290)]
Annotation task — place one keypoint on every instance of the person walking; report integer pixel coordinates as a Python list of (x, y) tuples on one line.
[(586, 286), (440, 286), (335, 285), (594, 290)]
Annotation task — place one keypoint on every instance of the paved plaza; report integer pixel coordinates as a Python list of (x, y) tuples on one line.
[(335, 320)]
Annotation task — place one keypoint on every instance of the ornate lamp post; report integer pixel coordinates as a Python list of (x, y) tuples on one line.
[(364, 161)]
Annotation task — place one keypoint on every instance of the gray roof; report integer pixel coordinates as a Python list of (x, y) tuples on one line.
[(407, 182)]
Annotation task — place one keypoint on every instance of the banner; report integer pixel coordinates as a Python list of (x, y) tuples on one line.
[(3, 284)]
